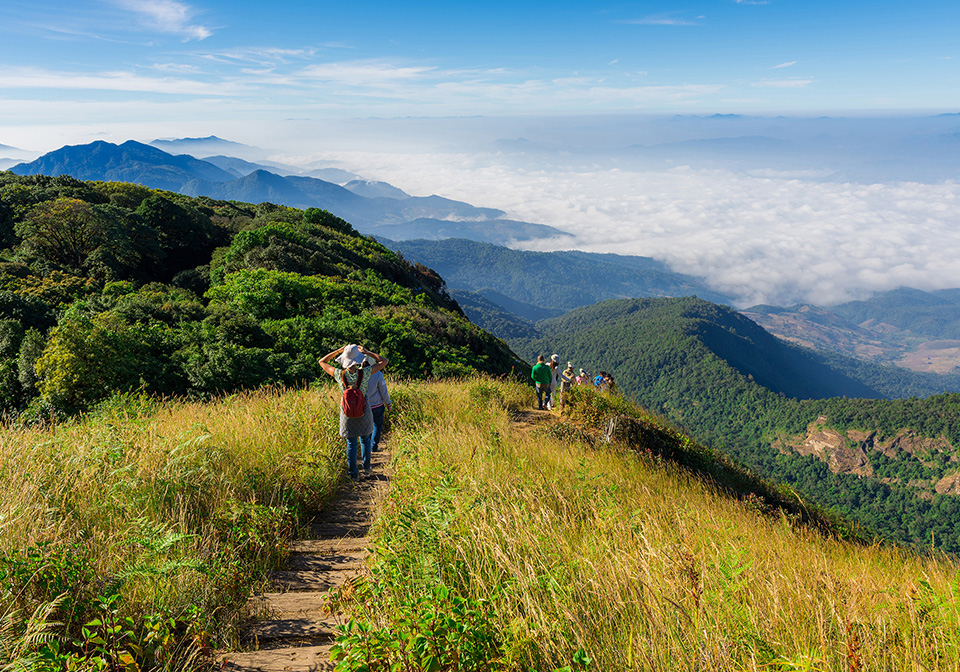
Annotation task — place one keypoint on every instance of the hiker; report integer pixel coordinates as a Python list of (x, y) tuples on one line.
[(542, 378), (567, 377), (583, 378), (554, 365), (379, 404), (611, 386), (600, 380), (355, 372)]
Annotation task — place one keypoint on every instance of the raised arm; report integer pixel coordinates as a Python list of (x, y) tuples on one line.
[(380, 363), (325, 362)]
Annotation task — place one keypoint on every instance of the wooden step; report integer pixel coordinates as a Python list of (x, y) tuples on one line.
[(314, 658)]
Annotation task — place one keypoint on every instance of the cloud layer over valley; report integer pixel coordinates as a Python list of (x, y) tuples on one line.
[(762, 237)]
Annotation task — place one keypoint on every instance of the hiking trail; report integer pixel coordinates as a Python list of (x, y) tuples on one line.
[(294, 629)]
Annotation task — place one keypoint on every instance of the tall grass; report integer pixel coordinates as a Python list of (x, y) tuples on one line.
[(166, 513), (595, 556)]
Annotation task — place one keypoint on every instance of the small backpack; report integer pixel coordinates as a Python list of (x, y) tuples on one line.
[(352, 402)]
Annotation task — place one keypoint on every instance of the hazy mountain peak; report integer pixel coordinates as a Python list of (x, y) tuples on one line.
[(373, 189)]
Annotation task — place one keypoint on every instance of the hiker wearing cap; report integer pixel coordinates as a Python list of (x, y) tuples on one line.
[(355, 372), (541, 379), (555, 379), (611, 385), (567, 376), (583, 377)]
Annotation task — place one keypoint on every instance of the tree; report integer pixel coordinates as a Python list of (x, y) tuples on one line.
[(63, 232)]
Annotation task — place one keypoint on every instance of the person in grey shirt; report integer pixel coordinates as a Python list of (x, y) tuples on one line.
[(379, 399)]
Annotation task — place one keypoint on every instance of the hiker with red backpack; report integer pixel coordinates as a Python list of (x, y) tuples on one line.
[(356, 418)]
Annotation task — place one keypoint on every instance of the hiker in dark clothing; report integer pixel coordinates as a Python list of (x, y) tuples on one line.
[(355, 372)]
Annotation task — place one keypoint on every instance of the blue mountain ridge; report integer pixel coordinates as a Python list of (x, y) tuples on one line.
[(152, 167)]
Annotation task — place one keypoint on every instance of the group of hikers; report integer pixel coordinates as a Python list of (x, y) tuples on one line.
[(365, 400), (552, 383)]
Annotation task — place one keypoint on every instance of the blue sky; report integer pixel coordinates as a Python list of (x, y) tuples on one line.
[(417, 94), (70, 64)]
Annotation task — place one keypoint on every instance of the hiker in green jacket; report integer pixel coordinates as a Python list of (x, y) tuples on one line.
[(542, 378)]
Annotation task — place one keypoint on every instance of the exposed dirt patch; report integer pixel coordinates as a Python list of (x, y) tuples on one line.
[(526, 419), (933, 357)]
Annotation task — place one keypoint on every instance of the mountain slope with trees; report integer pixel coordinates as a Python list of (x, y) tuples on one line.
[(108, 287), (548, 281)]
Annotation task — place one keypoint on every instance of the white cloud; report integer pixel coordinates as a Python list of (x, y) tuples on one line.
[(663, 20), (788, 64), (259, 55), (792, 83), (366, 73), (759, 239), (167, 16), (37, 78)]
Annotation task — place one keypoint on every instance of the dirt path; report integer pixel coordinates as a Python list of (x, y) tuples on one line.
[(296, 630), (527, 418)]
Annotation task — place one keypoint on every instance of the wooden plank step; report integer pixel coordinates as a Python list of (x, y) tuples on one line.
[(288, 581), (313, 630), (329, 546), (291, 605), (303, 562), (288, 659), (334, 530)]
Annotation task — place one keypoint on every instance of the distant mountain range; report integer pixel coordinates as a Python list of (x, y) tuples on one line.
[(908, 327), (372, 208), (914, 329)]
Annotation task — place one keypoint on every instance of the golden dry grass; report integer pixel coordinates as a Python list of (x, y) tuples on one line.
[(156, 500), (646, 567)]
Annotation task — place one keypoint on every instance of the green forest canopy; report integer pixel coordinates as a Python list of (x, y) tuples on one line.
[(108, 287)]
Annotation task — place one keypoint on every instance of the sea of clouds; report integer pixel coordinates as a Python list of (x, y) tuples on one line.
[(761, 236)]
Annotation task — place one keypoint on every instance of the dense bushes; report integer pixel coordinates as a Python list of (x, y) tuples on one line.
[(114, 287)]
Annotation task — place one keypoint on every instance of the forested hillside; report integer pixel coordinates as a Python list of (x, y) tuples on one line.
[(733, 385), (108, 286), (548, 281)]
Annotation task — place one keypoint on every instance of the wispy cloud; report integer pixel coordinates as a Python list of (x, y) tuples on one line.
[(167, 16), (788, 64), (367, 73), (665, 20), (263, 56), (37, 78), (792, 83)]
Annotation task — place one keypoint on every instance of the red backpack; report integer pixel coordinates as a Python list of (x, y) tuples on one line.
[(352, 402)]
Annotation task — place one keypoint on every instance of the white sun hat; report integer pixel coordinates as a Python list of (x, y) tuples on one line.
[(351, 356)]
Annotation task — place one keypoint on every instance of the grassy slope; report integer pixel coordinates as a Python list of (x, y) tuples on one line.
[(522, 550), (173, 511), (561, 550)]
